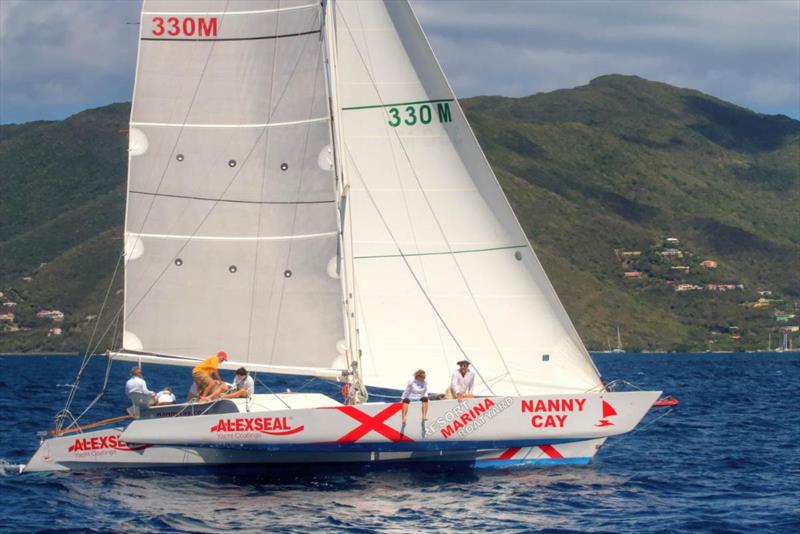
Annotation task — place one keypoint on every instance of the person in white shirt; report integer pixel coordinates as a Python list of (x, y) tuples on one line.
[(136, 384), (417, 389), (165, 396), (136, 389), (243, 385), (463, 381)]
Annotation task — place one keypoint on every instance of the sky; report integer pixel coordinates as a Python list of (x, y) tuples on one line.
[(59, 57)]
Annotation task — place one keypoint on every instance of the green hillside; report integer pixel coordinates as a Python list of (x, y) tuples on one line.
[(596, 175)]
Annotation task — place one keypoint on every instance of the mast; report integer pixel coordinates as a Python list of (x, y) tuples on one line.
[(357, 391)]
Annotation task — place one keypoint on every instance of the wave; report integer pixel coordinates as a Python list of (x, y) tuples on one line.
[(10, 469)]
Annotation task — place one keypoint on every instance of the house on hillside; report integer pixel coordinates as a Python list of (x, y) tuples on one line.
[(688, 287), (631, 253), (671, 242), (7, 316), (632, 274), (54, 315), (9, 304), (672, 252), (766, 293), (784, 317), (708, 264), (27, 279), (684, 268), (55, 331)]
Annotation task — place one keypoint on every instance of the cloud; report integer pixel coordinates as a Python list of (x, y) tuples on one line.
[(744, 52), (58, 57)]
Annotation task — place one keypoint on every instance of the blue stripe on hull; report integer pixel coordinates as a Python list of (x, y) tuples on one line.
[(404, 446), (538, 462)]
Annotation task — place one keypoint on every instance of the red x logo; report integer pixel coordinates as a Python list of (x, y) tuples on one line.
[(372, 423)]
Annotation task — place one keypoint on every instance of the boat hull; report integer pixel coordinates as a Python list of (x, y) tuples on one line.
[(99, 452), (484, 432)]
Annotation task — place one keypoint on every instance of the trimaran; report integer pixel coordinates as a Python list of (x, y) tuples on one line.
[(305, 193)]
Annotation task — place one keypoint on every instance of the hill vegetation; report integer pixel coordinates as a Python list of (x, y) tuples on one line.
[(595, 174)]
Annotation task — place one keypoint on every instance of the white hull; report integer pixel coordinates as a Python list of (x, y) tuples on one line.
[(492, 431)]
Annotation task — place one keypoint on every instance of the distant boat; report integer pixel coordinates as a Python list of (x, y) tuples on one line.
[(786, 345), (619, 343)]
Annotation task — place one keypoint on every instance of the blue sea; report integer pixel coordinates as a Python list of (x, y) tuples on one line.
[(726, 460)]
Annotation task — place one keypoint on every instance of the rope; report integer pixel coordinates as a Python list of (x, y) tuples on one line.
[(418, 282), (102, 422), (90, 353), (304, 384), (273, 393), (97, 397)]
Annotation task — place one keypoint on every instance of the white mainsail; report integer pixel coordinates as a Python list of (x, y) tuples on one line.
[(231, 227), (441, 269)]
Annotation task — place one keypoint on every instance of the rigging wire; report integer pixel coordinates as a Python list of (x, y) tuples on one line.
[(417, 280), (386, 128), (441, 230), (88, 355), (269, 389)]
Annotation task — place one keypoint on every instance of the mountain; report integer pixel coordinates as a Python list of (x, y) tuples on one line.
[(596, 174)]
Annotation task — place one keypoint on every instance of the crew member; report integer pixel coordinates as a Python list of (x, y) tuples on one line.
[(136, 384), (417, 389), (165, 396), (463, 381), (206, 376), (243, 385)]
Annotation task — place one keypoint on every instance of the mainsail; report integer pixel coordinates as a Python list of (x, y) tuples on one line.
[(231, 238), (441, 269)]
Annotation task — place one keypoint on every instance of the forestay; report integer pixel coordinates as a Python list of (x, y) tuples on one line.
[(441, 267), (231, 226)]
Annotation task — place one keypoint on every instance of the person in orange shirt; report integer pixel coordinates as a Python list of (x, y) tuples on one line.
[(206, 376)]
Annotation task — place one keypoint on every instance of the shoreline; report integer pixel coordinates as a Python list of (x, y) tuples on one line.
[(40, 354)]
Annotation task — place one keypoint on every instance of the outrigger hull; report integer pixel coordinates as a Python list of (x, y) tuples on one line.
[(484, 432)]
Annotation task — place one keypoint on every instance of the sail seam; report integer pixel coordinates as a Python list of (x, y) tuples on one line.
[(353, 108), (269, 202), (443, 253), (203, 40), (253, 12), (233, 238), (264, 125)]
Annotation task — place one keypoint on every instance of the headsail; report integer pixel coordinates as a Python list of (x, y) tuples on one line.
[(441, 268), (231, 226)]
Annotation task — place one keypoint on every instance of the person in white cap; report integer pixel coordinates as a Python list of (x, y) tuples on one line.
[(463, 381)]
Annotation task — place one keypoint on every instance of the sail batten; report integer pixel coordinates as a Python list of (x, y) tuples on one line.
[(263, 125)]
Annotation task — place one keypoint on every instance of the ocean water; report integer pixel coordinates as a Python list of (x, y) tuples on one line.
[(726, 460)]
